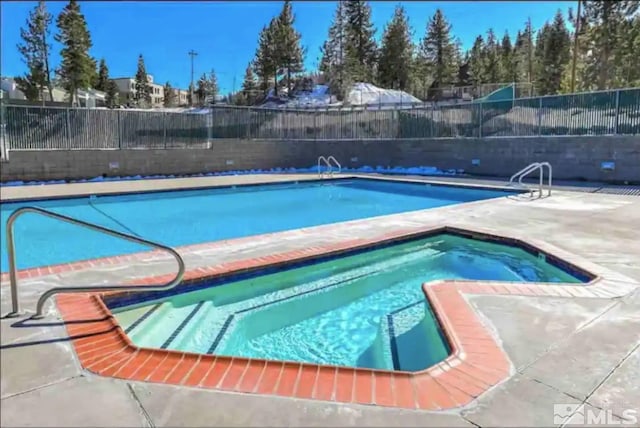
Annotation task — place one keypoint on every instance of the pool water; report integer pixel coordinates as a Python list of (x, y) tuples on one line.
[(363, 310), (197, 216)]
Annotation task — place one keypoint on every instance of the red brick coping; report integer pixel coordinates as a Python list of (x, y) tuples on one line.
[(476, 363)]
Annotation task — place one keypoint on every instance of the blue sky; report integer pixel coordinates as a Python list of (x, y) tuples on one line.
[(225, 33)]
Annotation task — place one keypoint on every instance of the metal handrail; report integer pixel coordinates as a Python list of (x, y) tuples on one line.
[(13, 274), (326, 162), (331, 158), (528, 170)]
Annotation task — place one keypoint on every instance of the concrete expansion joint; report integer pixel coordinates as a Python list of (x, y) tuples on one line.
[(143, 411), (46, 385)]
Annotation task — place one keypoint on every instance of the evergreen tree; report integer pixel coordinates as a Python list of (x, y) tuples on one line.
[(169, 99), (438, 52), (35, 49), (476, 62), (212, 86), (111, 97), (552, 55), (249, 87), (464, 75), (508, 64), (361, 50), (332, 62), (207, 88), (265, 65), (606, 39), (524, 54), (491, 56), (289, 53), (103, 77), (142, 95), (627, 69), (396, 52), (201, 89), (77, 68)]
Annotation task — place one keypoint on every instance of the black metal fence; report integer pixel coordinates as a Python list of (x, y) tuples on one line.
[(614, 112)]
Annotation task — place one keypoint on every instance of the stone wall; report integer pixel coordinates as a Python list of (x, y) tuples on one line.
[(571, 157)]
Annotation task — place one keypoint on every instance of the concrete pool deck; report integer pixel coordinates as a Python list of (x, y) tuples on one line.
[(563, 350)]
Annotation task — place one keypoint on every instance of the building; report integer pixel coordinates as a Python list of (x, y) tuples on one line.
[(180, 97), (86, 98), (127, 89)]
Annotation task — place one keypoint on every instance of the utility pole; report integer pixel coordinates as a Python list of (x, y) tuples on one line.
[(192, 54), (575, 49)]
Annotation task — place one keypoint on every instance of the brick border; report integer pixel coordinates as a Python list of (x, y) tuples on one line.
[(476, 363)]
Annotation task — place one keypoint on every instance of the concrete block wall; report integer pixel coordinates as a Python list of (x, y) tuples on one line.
[(571, 157)]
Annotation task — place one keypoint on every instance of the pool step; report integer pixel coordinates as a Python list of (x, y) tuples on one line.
[(157, 328)]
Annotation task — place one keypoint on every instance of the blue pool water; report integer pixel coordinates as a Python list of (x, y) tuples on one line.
[(196, 216), (364, 310)]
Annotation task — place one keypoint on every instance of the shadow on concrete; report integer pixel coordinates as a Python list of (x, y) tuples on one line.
[(29, 323)]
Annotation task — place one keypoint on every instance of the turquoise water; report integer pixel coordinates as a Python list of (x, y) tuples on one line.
[(191, 217), (362, 310)]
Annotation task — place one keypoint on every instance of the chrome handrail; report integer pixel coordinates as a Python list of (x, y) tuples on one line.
[(13, 274), (331, 158), (326, 162), (528, 170)]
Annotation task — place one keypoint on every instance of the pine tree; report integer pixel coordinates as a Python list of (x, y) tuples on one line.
[(332, 62), (524, 53), (627, 70), (111, 97), (476, 62), (552, 55), (438, 52), (103, 77), (396, 52), (361, 50), (508, 64), (265, 65), (464, 75), (289, 53), (249, 87), (491, 55), (212, 86), (201, 88), (207, 88), (77, 69), (35, 50), (142, 95), (169, 96), (604, 41)]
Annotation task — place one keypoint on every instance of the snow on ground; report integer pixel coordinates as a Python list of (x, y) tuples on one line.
[(418, 170), (367, 94)]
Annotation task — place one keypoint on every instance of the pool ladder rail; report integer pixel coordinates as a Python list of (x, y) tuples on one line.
[(13, 274), (329, 161), (536, 166)]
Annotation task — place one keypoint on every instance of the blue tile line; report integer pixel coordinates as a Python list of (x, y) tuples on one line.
[(182, 325), (140, 297), (220, 335), (142, 318)]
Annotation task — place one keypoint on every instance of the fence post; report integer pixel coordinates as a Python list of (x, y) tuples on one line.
[(118, 112), (68, 128), (617, 118), (480, 121), (164, 130), (540, 117)]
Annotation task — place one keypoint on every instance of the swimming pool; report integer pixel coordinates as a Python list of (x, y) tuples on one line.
[(364, 309), (195, 216)]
